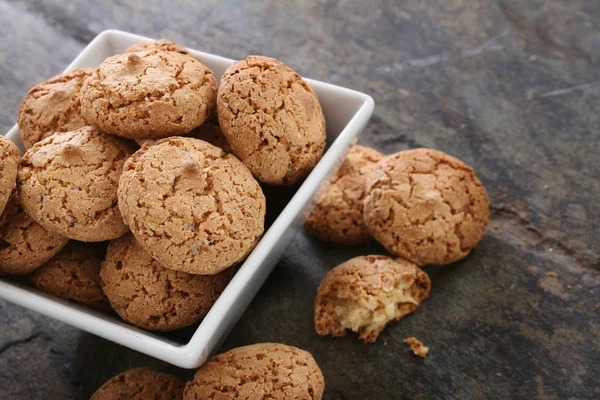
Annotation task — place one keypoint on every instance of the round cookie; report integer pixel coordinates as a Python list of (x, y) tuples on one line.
[(9, 164), (169, 299), (426, 206), (338, 215), (73, 274), (272, 119), (149, 94), (366, 293), (141, 384), (193, 207), (68, 184), (52, 106), (24, 244), (259, 371), (162, 44)]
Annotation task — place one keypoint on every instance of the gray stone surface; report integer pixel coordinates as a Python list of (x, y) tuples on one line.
[(511, 86)]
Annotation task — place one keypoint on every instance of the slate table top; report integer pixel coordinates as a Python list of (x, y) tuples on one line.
[(512, 87)]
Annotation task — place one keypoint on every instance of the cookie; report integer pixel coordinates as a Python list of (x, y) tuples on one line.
[(272, 119), (162, 44), (193, 207), (259, 371), (24, 244), (9, 163), (426, 206), (366, 293), (208, 132), (141, 384), (68, 184), (153, 297), (149, 94), (73, 274), (338, 215), (52, 106)]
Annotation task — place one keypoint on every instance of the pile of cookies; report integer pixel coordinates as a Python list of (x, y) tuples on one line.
[(423, 206)]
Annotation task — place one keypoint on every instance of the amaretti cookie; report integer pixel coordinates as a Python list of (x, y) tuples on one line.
[(153, 297), (366, 293), (338, 215), (272, 119), (73, 274), (141, 384), (9, 164), (426, 206), (192, 206), (68, 184), (149, 94), (24, 244), (52, 106), (162, 44), (259, 371)]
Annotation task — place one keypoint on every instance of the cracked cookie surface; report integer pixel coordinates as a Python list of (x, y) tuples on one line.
[(150, 296), (149, 94), (68, 184), (426, 206), (141, 384), (209, 132), (366, 293), (9, 164), (24, 244), (272, 119), (192, 206), (259, 371), (161, 44), (52, 106), (338, 215), (73, 274)]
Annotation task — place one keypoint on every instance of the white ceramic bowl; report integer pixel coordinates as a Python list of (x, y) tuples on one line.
[(346, 112)]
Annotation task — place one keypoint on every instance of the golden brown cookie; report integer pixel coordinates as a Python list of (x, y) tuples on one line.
[(150, 296), (338, 215), (141, 384), (259, 371), (73, 274), (9, 163), (366, 293), (162, 44), (272, 119), (24, 244), (193, 207), (208, 132), (149, 94), (426, 206), (52, 106), (68, 184)]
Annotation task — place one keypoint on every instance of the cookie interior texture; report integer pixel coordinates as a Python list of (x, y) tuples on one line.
[(365, 293)]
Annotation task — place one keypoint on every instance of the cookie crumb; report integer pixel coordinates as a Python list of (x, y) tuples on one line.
[(496, 227), (553, 274), (546, 187), (417, 347)]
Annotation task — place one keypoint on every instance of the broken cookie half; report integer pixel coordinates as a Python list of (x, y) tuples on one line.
[(366, 293)]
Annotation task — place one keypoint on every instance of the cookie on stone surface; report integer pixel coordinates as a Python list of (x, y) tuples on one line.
[(52, 106), (161, 44), (149, 94), (366, 293), (272, 119), (24, 244), (141, 384), (9, 164), (259, 371), (192, 206), (150, 296), (68, 184), (338, 215), (426, 206), (73, 274)]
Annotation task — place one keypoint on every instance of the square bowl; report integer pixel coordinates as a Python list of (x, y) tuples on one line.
[(346, 113)]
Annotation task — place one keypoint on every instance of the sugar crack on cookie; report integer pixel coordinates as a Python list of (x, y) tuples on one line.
[(9, 162), (366, 293)]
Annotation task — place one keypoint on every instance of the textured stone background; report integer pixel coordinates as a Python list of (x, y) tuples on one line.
[(511, 86)]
